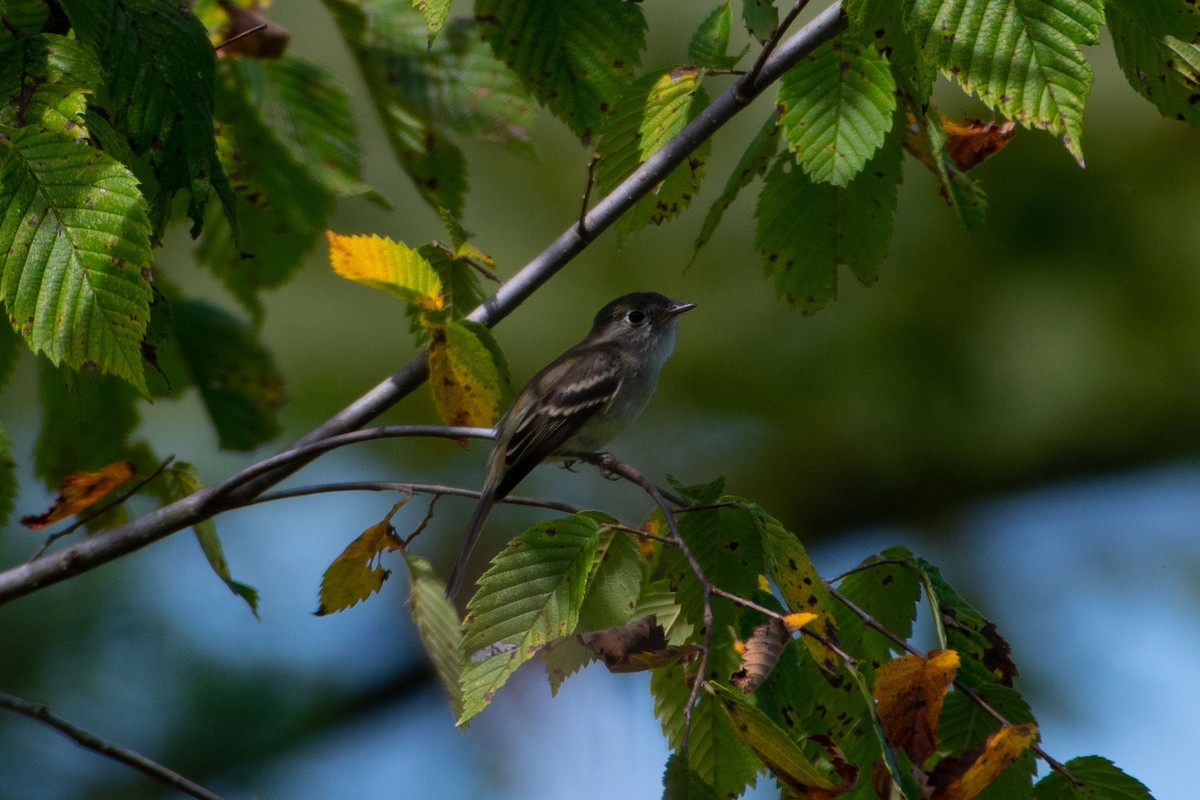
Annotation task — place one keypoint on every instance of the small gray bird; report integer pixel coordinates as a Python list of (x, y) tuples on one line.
[(580, 401)]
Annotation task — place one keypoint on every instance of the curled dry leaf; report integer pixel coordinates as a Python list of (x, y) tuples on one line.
[(356, 574), (964, 777), (760, 653), (80, 490), (634, 647), (251, 34)]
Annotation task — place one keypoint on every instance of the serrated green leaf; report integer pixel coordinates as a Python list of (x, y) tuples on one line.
[(1155, 43), (754, 162), (1021, 57), (882, 22), (182, 480), (658, 599), (1102, 780), (802, 589), (530, 595), (963, 724), (437, 624), (761, 18), (783, 757), (888, 592), (574, 56), (86, 421), (680, 782), (715, 752), (709, 47), (159, 67), (75, 281), (462, 290), (838, 105), (25, 17), (44, 82), (238, 382), (563, 658), (807, 230), (649, 113), (615, 583)]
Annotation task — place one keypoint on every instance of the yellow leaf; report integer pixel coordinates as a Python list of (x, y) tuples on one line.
[(466, 374), (80, 490), (1001, 749), (394, 267), (909, 692), (798, 620), (356, 574)]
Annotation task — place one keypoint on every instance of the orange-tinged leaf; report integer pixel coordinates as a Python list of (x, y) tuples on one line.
[(80, 490), (909, 692), (968, 143), (964, 778), (467, 381), (381, 263), (356, 574)]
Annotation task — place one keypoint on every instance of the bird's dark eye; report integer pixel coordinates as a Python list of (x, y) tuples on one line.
[(636, 317)]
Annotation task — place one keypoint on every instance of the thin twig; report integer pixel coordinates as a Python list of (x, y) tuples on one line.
[(424, 520), (967, 691), (770, 45), (116, 752), (242, 35), (630, 473), (435, 489), (118, 500), (587, 193)]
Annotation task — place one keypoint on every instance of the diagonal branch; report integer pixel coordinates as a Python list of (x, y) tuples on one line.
[(104, 547), (116, 752)]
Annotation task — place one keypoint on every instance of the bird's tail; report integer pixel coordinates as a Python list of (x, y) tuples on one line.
[(474, 527)]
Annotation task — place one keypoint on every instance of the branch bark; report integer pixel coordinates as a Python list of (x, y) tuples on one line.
[(136, 534)]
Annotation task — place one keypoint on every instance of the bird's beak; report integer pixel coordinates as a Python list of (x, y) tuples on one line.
[(675, 309)]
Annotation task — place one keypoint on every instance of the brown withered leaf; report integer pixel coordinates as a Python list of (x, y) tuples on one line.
[(80, 490), (971, 142), (356, 574), (760, 654), (909, 692), (634, 647), (963, 777), (241, 38)]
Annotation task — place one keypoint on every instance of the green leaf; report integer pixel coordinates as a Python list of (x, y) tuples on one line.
[(838, 105), (783, 757), (437, 624), (461, 287), (1018, 56), (574, 56), (75, 281), (44, 82), (159, 67), (282, 209), (963, 724), (25, 17), (309, 119), (435, 13), (563, 658), (761, 18), (1102, 780), (680, 782), (888, 592), (962, 192), (803, 590), (882, 22), (468, 374), (1155, 43), (529, 596), (709, 47), (238, 382), (182, 480), (754, 162), (850, 226), (87, 419), (715, 752), (615, 583), (651, 111)]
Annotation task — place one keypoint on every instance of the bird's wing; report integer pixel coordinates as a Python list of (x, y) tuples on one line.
[(546, 418)]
